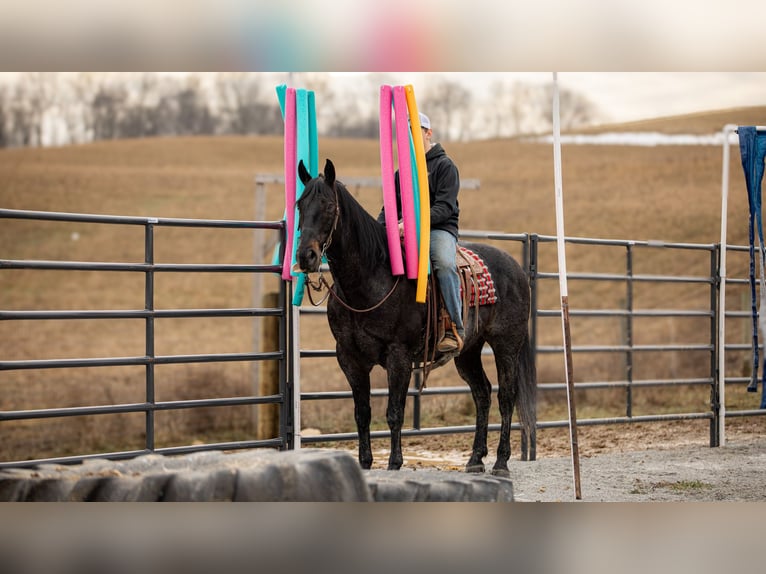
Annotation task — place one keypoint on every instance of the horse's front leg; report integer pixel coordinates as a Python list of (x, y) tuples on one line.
[(399, 370), (359, 381)]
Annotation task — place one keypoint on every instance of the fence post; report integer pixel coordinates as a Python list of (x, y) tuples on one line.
[(629, 332), (258, 255), (149, 306), (716, 374), (268, 371), (532, 272), (291, 339)]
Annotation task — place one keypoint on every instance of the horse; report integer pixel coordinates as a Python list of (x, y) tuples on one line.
[(375, 320)]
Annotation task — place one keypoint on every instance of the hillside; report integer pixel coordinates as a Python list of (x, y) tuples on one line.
[(697, 123), (671, 194)]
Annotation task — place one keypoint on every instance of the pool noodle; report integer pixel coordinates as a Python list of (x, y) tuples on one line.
[(405, 183), (425, 211), (415, 187), (303, 147), (313, 165), (387, 180), (281, 96), (290, 179), (311, 160)]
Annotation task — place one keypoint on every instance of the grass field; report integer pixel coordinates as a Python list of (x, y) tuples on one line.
[(670, 194)]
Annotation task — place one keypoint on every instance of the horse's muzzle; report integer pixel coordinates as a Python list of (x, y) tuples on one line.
[(309, 258)]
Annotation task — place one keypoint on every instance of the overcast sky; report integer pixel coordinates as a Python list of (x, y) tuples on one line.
[(627, 96), (633, 96)]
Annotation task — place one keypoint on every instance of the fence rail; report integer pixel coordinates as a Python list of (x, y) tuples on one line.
[(529, 246), (148, 314)]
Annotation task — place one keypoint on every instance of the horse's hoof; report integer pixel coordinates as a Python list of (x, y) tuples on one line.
[(501, 472), (474, 468)]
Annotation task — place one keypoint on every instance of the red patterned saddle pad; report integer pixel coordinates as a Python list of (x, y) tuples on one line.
[(476, 276)]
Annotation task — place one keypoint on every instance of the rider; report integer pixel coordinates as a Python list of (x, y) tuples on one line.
[(443, 187)]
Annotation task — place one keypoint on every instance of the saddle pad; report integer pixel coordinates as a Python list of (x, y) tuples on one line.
[(475, 274)]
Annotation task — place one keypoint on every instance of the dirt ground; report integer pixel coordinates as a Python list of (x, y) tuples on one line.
[(621, 463)]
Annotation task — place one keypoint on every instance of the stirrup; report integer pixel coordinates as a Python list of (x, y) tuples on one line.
[(451, 341)]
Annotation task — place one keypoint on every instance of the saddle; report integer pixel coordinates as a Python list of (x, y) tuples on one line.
[(476, 288)]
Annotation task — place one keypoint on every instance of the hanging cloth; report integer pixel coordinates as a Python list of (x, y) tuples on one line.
[(752, 147)]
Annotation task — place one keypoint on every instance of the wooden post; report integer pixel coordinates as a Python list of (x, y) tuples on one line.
[(559, 189)]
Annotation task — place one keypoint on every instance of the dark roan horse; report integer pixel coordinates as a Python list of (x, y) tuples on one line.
[(334, 224)]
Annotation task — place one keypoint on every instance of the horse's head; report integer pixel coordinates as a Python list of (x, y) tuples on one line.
[(317, 216)]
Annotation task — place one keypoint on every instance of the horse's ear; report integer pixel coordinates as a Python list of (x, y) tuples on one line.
[(303, 173), (329, 173)]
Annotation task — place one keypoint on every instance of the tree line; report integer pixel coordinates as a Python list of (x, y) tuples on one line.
[(51, 108)]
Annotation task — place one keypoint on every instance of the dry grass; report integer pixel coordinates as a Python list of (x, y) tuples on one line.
[(664, 193)]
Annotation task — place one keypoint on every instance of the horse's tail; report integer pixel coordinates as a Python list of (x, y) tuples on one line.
[(526, 399)]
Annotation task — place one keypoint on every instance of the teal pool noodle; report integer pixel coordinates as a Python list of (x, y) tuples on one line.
[(416, 196), (303, 143), (281, 96), (313, 140)]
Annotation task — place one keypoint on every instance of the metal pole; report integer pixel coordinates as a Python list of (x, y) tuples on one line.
[(629, 334), (715, 403), (533, 263), (258, 254), (563, 288), (149, 306), (295, 329), (727, 130)]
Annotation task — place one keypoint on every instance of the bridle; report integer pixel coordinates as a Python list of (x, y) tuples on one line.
[(322, 282)]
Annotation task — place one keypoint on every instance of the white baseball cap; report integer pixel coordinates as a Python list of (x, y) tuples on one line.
[(424, 121)]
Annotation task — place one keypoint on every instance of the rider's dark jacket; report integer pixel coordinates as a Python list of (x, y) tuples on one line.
[(443, 187)]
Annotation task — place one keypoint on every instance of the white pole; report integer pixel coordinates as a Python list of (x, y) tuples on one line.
[(727, 131), (296, 359), (560, 244)]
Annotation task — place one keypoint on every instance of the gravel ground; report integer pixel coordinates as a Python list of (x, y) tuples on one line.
[(736, 472), (669, 465)]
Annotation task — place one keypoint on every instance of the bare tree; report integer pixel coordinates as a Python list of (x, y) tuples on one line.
[(507, 108), (45, 108), (575, 110), (108, 110), (21, 127), (448, 105), (3, 117), (41, 97), (78, 112), (245, 106), (140, 120), (194, 115)]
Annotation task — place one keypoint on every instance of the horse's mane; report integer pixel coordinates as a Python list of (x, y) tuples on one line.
[(370, 235)]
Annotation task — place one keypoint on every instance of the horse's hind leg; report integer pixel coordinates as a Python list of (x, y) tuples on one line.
[(469, 367), (528, 444), (399, 371), (506, 397)]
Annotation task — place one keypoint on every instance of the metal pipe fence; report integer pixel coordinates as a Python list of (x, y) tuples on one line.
[(627, 278), (150, 359), (542, 279)]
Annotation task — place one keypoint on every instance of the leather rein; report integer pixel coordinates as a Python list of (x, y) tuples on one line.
[(322, 282)]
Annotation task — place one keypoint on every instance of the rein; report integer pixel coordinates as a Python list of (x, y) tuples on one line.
[(321, 281)]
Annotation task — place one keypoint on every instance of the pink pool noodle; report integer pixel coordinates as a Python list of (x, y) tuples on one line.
[(405, 183), (290, 180), (387, 178)]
